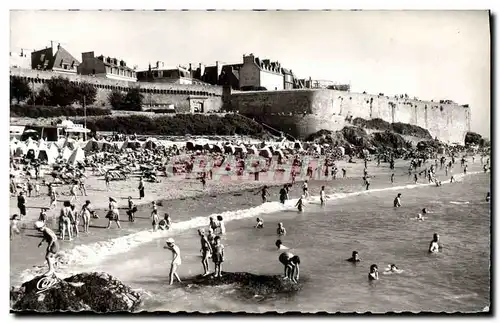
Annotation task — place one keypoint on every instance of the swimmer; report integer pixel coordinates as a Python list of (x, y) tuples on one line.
[(397, 200), (176, 259), (264, 193), (488, 197), (373, 275), (291, 264), (165, 222), (260, 224), (434, 245), (281, 231), (300, 204), (280, 245), (322, 195), (354, 258), (392, 269)]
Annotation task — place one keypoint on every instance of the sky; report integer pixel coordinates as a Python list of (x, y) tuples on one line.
[(428, 54)]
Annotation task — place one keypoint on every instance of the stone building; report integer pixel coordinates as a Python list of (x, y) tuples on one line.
[(106, 67), (54, 59)]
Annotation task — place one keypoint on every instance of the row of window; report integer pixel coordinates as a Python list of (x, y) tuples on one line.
[(142, 90), (119, 71)]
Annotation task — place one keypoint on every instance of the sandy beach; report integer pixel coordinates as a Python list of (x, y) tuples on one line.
[(181, 198)]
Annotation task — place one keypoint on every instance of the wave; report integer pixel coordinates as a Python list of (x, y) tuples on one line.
[(91, 254)]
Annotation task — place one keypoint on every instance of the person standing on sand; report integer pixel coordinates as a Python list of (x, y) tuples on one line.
[(206, 251), (141, 188), (392, 178), (283, 194), (30, 187), (52, 246), (156, 218), (113, 214), (218, 256), (176, 259), (85, 215), (213, 224), (300, 204), (37, 189), (367, 182), (107, 178), (131, 210), (264, 193), (21, 204), (322, 196), (14, 229), (344, 172), (221, 225), (72, 192), (305, 189)]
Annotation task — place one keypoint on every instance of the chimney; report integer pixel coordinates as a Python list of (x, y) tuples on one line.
[(190, 67), (219, 69)]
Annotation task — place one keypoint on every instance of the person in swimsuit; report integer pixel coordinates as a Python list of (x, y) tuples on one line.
[(392, 178), (305, 189), (392, 269), (53, 196), (14, 229), (291, 264), (165, 222), (176, 259), (65, 220), (279, 244), (206, 251), (488, 197), (52, 246), (260, 224), (156, 219), (141, 189), (300, 204), (211, 239), (72, 192), (221, 225), (131, 210), (373, 274), (21, 204), (43, 215), (37, 189), (113, 214), (218, 256), (75, 220), (397, 200), (434, 245), (213, 224), (264, 193), (354, 258), (322, 196), (281, 231), (85, 215)]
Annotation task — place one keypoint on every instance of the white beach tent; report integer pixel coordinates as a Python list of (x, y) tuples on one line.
[(241, 148), (229, 149), (45, 153), (31, 148), (54, 150), (66, 153), (252, 150), (92, 145), (78, 155)]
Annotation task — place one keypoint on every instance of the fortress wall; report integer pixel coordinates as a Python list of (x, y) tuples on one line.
[(155, 93), (312, 110)]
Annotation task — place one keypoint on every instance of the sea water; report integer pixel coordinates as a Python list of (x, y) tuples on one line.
[(456, 279)]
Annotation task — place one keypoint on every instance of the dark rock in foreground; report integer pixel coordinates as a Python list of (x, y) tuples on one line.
[(97, 292), (248, 283)]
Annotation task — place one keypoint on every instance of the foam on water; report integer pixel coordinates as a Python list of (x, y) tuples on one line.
[(91, 254)]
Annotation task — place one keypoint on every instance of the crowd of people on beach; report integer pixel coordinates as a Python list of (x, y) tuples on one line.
[(71, 218)]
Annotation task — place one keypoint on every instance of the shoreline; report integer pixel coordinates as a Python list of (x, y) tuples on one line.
[(196, 203)]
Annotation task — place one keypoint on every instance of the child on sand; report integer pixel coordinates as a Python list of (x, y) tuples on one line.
[(221, 225), (260, 224), (218, 257), (43, 215)]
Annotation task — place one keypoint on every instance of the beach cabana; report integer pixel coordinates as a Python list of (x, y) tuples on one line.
[(46, 154), (92, 145), (229, 149), (279, 153), (66, 153), (298, 146), (190, 145), (21, 149), (217, 149), (240, 149), (78, 155), (265, 152), (252, 150)]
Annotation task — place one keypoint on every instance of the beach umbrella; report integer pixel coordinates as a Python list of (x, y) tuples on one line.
[(78, 155)]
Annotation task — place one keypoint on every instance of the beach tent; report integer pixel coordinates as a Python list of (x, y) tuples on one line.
[(152, 143), (241, 148), (217, 149), (46, 154), (190, 145), (21, 149), (229, 149), (105, 145), (252, 150), (70, 143), (265, 152), (66, 153), (54, 151), (92, 145), (297, 145), (31, 149), (279, 153), (78, 155)]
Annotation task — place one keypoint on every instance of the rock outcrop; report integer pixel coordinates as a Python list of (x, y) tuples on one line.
[(98, 292), (249, 284)]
